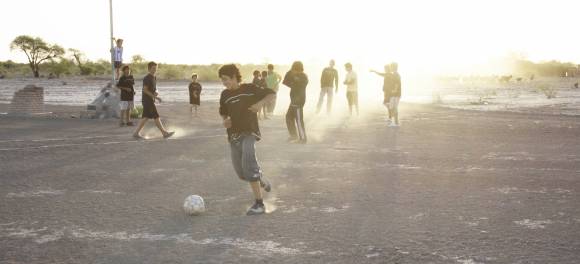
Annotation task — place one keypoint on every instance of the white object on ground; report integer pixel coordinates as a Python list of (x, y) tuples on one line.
[(194, 205)]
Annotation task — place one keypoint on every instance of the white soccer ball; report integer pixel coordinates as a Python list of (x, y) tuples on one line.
[(193, 205)]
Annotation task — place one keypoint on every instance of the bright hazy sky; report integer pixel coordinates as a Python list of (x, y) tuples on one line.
[(443, 34)]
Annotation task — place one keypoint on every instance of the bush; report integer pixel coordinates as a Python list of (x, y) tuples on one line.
[(137, 112), (549, 91)]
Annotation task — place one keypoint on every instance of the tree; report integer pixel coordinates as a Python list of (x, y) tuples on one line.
[(137, 59), (36, 51), (78, 56)]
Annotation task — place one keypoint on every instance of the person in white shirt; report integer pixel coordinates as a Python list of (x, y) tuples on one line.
[(117, 54), (351, 83)]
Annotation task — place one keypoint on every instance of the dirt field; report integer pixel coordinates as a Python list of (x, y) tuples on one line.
[(449, 186)]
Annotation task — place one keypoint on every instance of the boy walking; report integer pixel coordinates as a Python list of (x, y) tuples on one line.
[(148, 98), (239, 104), (125, 84), (297, 80), (328, 82), (351, 82), (194, 94), (272, 81)]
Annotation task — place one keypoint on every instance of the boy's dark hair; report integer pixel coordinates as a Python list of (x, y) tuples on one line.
[(297, 66), (230, 70), (394, 66), (193, 75), (270, 67), (151, 65), (125, 67), (264, 73), (256, 73), (348, 65)]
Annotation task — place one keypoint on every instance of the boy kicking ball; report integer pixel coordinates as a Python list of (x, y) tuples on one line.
[(239, 104)]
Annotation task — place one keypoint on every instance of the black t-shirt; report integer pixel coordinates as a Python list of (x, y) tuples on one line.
[(151, 82), (194, 87), (126, 82), (235, 104), (297, 81), (329, 77)]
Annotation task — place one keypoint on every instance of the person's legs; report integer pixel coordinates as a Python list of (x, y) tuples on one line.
[(264, 112), (320, 99), (130, 107), (300, 123), (252, 172), (290, 121), (160, 126), (272, 105), (236, 153), (395, 106), (356, 102), (122, 121), (349, 102), (140, 126), (330, 94)]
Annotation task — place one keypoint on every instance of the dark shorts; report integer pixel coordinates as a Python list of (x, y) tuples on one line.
[(352, 98), (387, 98), (150, 110), (194, 100), (118, 64)]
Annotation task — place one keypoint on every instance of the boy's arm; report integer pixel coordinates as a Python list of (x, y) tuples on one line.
[(148, 93), (227, 122), (260, 104), (287, 81), (379, 73)]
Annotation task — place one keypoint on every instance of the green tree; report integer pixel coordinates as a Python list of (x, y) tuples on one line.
[(137, 59), (61, 67), (78, 57), (36, 50)]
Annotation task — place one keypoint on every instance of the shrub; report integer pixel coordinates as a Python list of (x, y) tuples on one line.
[(549, 91), (137, 112)]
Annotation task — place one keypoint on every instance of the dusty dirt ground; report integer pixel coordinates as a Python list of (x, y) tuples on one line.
[(449, 186)]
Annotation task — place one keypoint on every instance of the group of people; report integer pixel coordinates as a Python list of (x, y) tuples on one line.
[(271, 80), (240, 105)]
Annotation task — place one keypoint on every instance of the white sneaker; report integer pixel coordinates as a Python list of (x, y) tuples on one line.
[(392, 124)]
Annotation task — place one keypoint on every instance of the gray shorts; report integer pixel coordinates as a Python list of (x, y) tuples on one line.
[(244, 158)]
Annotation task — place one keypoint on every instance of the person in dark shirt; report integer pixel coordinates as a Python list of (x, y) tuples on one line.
[(194, 93), (297, 80), (328, 82), (256, 81), (239, 104), (125, 84), (148, 99)]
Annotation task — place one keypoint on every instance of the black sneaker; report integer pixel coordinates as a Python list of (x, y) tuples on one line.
[(169, 134), (256, 209), (265, 184)]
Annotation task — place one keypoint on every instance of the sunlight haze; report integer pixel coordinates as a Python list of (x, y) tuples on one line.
[(423, 36)]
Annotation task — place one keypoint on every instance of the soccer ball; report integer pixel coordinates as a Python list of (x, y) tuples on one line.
[(193, 205)]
